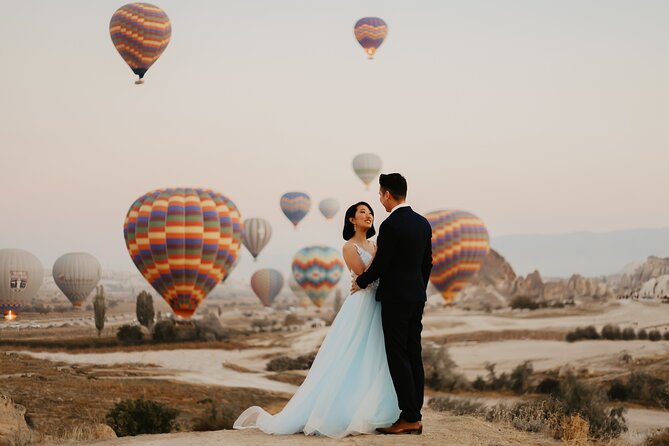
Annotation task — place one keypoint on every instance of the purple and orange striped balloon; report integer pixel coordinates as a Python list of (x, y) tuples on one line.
[(370, 33)]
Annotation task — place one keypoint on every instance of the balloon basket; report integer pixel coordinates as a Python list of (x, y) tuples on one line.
[(139, 82)]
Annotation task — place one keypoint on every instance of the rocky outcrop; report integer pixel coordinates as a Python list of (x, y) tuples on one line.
[(496, 272), (656, 288), (652, 268), (580, 287), (530, 286), (14, 430)]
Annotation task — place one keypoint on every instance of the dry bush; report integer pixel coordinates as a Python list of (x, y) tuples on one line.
[(611, 332), (216, 417), (642, 388), (524, 302), (654, 335), (543, 415), (283, 363), (440, 371), (574, 430), (456, 406), (659, 439)]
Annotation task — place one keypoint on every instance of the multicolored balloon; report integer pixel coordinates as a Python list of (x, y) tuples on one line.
[(370, 33), (184, 241), (459, 243), (21, 276), (267, 284), (140, 32), (76, 274), (367, 166), (329, 208), (257, 233), (295, 206), (317, 269)]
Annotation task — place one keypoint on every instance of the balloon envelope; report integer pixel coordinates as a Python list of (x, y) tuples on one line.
[(295, 206), (267, 284), (76, 274), (459, 243), (329, 208), (317, 269), (367, 166), (21, 276), (370, 33), (184, 241), (257, 233), (140, 32)]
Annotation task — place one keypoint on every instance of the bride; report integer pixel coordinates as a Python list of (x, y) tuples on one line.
[(348, 389)]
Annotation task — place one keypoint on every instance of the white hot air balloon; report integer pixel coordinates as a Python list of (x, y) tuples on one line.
[(267, 284), (257, 233), (76, 274), (329, 208), (21, 276), (367, 166)]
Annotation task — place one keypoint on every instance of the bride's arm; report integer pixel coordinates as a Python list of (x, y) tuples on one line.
[(353, 260)]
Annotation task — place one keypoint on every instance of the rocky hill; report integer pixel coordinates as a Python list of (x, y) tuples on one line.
[(652, 268)]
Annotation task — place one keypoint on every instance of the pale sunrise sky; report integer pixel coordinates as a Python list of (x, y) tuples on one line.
[(538, 116)]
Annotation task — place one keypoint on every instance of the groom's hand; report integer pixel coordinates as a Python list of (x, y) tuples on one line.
[(354, 286)]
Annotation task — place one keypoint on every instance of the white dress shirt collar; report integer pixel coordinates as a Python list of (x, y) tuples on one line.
[(403, 205)]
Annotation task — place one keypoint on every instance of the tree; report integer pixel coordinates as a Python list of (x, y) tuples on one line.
[(99, 309), (145, 312)]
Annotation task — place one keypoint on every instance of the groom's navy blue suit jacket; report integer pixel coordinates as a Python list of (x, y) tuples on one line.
[(403, 258)]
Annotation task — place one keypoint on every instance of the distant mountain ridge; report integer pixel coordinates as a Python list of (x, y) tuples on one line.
[(587, 253)]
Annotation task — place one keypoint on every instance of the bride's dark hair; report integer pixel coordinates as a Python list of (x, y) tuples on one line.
[(349, 230)]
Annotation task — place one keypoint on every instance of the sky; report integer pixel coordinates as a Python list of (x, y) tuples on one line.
[(540, 117)]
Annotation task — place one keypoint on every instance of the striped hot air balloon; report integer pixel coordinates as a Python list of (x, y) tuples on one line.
[(257, 233), (76, 274), (185, 242), (317, 269), (267, 284), (295, 206), (329, 208), (367, 166), (140, 32), (370, 33), (21, 276), (459, 243)]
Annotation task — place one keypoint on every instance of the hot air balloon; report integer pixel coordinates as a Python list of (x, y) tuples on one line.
[(140, 32), (21, 276), (370, 33), (267, 284), (76, 274), (329, 208), (257, 232), (295, 205), (459, 243), (317, 269), (184, 241), (367, 166)]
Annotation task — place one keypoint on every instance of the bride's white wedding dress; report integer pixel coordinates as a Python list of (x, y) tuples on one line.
[(348, 389)]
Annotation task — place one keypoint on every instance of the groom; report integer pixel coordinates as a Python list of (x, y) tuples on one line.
[(403, 262)]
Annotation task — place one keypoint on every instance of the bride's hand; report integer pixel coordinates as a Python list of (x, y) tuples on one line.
[(354, 286)]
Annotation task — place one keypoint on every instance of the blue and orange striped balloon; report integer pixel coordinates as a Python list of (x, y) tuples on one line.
[(140, 32), (295, 206), (317, 269), (459, 243), (370, 33), (184, 242)]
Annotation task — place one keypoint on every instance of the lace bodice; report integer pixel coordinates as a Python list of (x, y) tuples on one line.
[(366, 258)]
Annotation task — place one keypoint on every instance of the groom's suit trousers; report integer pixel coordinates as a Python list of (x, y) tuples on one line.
[(402, 328)]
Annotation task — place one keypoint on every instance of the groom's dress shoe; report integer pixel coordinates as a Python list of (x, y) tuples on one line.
[(403, 427)]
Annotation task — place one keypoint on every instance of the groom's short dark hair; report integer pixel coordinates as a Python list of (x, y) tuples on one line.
[(394, 183)]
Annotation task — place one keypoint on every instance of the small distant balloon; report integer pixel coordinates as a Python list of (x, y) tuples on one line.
[(140, 32), (257, 233), (317, 269), (367, 166), (21, 276), (76, 274), (295, 206), (370, 33), (267, 284), (184, 242), (460, 242), (329, 208)]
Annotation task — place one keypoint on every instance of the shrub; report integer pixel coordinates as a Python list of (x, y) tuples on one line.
[(292, 319), (440, 371), (611, 332), (628, 334), (129, 334), (165, 331), (456, 406), (136, 417), (283, 363), (520, 377), (530, 416), (618, 391), (589, 332), (524, 302), (216, 417), (666, 335), (654, 335), (642, 334), (649, 389), (144, 309), (659, 439), (549, 386)]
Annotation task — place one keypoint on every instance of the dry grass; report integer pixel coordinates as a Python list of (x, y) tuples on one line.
[(60, 399), (504, 335), (575, 431), (293, 378), (109, 345)]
